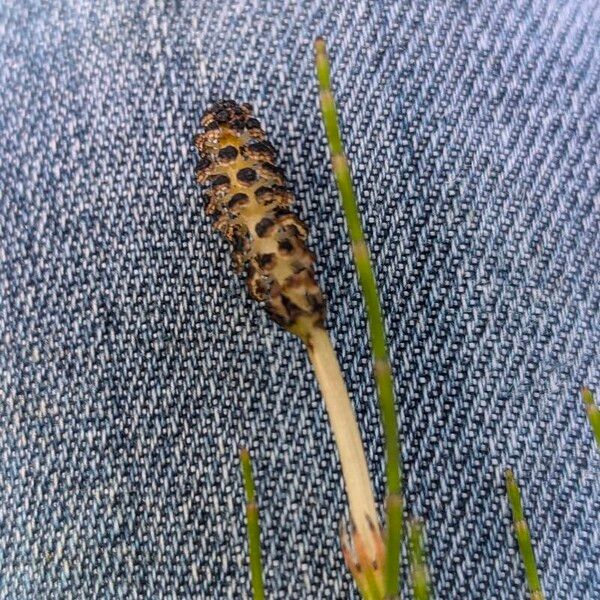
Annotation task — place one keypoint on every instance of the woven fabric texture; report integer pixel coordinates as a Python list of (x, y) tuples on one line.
[(133, 365)]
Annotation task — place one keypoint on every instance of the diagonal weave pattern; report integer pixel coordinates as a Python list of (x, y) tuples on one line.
[(133, 366)]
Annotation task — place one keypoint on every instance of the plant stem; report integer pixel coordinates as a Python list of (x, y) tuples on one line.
[(253, 525), (593, 413), (417, 561), (347, 436), (394, 510), (523, 536), (382, 368)]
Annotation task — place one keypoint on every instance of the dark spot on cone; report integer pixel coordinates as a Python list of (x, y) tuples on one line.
[(217, 180), (247, 175), (228, 153), (263, 226), (285, 246), (237, 199)]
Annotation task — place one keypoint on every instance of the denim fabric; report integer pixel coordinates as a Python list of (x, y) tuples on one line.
[(133, 365)]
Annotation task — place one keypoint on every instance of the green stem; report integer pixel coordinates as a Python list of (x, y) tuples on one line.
[(382, 368), (418, 564), (523, 536), (394, 511), (256, 571), (593, 413), (373, 591)]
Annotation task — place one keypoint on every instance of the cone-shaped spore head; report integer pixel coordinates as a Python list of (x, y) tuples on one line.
[(248, 196)]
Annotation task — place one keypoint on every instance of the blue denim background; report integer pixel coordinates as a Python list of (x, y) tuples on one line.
[(133, 366)]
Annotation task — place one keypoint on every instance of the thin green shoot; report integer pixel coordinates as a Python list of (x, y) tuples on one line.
[(256, 570), (382, 367), (523, 536)]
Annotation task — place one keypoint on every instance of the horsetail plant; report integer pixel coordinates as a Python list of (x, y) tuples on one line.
[(381, 361), (252, 205), (523, 536), (252, 524)]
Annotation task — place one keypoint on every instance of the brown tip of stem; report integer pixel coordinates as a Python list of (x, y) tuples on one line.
[(586, 395), (320, 45), (244, 454)]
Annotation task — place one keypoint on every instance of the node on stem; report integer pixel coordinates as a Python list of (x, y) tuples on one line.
[(523, 536)]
